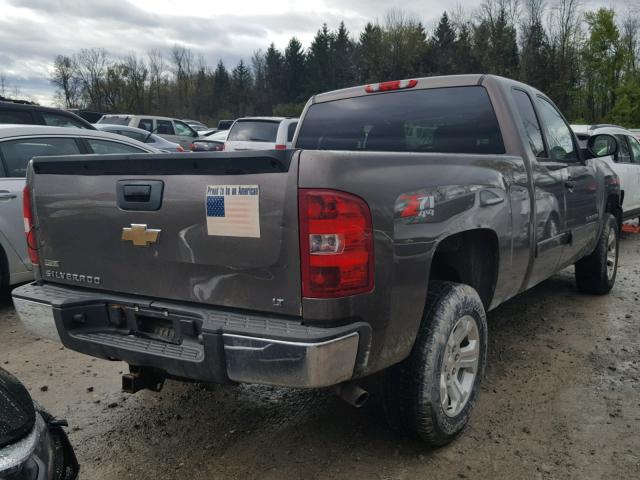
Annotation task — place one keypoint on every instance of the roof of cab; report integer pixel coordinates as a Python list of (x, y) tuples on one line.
[(422, 83)]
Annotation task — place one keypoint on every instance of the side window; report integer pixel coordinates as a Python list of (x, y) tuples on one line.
[(146, 124), (635, 150), (624, 154), (17, 153), (292, 131), (165, 127), (183, 129), (106, 147), (559, 135), (16, 116), (530, 122), (57, 120)]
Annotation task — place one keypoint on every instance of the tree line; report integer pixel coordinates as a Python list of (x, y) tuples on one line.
[(586, 61)]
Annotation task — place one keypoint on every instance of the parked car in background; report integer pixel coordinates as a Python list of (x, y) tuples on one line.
[(143, 136), (168, 128), (33, 444), (225, 124), (625, 162), (88, 115), (197, 126), (26, 114), (18, 145), (261, 133), (211, 143)]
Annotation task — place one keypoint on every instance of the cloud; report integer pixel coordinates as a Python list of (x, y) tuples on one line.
[(33, 32)]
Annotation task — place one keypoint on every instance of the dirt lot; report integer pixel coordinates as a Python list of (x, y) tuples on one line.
[(561, 399)]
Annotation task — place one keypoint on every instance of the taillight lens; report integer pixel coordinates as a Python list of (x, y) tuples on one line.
[(29, 230), (281, 147), (180, 149), (388, 86), (336, 244)]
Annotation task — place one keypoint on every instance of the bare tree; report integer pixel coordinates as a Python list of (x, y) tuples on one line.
[(92, 67), (183, 63), (136, 74), (3, 84), (64, 77), (157, 71)]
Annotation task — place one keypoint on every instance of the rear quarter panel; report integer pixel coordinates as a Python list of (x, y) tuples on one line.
[(404, 246)]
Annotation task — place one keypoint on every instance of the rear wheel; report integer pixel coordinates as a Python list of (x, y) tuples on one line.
[(596, 273), (433, 391)]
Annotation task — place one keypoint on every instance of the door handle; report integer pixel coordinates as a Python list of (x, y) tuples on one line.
[(6, 195)]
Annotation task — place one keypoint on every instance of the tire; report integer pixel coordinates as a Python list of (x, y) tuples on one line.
[(414, 393), (596, 273)]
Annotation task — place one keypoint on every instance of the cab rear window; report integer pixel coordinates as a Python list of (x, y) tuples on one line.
[(254, 131), (443, 120)]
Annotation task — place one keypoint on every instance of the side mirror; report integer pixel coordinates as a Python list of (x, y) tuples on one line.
[(602, 145)]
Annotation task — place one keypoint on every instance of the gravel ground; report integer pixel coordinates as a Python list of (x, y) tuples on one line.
[(561, 399)]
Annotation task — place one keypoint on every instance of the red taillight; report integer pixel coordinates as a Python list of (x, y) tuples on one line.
[(29, 230), (222, 147), (387, 86), (180, 149), (336, 244), (281, 147)]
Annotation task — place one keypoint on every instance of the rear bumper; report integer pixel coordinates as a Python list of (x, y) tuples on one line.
[(194, 342)]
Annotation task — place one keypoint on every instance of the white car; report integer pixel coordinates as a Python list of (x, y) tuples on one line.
[(626, 163), (168, 128), (261, 133)]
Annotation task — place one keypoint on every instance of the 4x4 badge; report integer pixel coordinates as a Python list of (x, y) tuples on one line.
[(140, 235)]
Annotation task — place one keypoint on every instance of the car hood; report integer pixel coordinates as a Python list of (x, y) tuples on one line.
[(17, 413)]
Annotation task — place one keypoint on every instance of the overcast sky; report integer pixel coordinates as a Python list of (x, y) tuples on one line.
[(33, 32)]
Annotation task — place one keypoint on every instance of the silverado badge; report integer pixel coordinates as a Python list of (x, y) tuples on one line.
[(140, 235)]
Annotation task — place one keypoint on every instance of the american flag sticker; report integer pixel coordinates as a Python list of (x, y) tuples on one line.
[(233, 210)]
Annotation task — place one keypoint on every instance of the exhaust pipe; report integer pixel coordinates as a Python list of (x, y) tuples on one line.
[(352, 394)]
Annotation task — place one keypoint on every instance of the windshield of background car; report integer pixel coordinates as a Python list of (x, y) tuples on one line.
[(115, 120), (444, 120), (254, 131)]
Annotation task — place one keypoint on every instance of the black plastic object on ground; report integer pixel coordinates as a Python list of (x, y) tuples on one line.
[(17, 413)]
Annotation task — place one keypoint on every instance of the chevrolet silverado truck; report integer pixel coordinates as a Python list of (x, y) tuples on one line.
[(405, 212)]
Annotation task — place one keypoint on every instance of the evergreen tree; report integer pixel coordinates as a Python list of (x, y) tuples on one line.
[(294, 71), (241, 88), (221, 88), (319, 66), (536, 52), (274, 74), (343, 59), (443, 46), (463, 59), (370, 52)]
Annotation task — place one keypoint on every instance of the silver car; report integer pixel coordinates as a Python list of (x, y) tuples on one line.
[(20, 143), (143, 136), (169, 128)]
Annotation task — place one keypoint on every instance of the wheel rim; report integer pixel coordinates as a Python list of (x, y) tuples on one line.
[(612, 248), (459, 366)]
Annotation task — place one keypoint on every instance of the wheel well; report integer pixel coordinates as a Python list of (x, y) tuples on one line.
[(614, 207), (471, 258)]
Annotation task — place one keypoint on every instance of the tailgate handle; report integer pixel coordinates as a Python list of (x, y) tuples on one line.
[(137, 193), (140, 194)]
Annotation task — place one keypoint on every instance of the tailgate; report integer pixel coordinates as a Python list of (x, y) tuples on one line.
[(213, 228)]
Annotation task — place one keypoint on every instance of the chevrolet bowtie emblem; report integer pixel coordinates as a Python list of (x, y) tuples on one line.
[(140, 235)]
